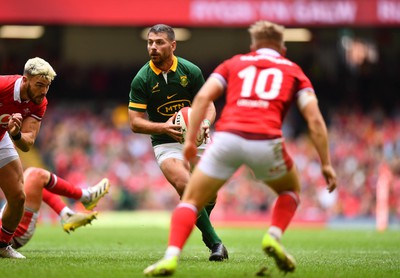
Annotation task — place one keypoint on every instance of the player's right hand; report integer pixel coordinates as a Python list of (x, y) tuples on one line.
[(15, 123)]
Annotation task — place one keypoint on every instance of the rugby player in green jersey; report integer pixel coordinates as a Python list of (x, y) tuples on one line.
[(159, 90)]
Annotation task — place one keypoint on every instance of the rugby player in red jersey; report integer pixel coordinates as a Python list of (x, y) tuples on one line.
[(22, 105), (42, 185), (259, 88)]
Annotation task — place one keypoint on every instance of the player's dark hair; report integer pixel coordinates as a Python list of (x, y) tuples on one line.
[(162, 28)]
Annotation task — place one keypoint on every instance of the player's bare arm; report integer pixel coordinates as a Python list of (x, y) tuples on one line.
[(140, 124), (29, 129), (202, 108), (319, 136), (208, 120), (203, 105), (210, 113)]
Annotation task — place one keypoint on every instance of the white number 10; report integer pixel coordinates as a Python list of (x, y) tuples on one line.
[(249, 75)]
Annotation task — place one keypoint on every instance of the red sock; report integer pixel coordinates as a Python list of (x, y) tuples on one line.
[(62, 187), (5, 236), (54, 201), (284, 209), (182, 222)]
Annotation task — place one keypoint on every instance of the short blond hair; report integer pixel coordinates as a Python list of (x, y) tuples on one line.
[(267, 31), (38, 66)]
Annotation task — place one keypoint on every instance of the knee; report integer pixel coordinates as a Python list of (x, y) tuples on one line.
[(36, 174), (180, 188), (20, 199), (17, 199), (179, 185)]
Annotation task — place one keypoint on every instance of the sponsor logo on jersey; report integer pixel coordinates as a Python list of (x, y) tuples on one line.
[(26, 112), (155, 88), (169, 108), (252, 103), (184, 81), (276, 60), (171, 96)]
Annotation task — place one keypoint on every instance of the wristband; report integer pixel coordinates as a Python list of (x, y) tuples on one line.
[(17, 136), (207, 122)]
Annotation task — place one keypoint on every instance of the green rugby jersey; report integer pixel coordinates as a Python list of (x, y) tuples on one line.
[(160, 99)]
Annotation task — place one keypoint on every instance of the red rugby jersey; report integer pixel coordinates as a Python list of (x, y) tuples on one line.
[(260, 87), (10, 102)]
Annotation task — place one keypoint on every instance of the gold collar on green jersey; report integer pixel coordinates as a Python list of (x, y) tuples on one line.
[(158, 71)]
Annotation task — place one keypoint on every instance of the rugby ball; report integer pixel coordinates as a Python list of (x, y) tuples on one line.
[(182, 119)]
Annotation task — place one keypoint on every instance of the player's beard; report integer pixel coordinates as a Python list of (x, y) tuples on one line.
[(159, 59), (31, 96)]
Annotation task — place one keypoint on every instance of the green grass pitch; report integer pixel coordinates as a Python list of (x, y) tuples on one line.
[(123, 244)]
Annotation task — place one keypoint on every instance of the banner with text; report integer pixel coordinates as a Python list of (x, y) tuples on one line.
[(203, 12)]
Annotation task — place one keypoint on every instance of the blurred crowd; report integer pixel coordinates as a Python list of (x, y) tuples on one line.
[(83, 142), (85, 135)]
